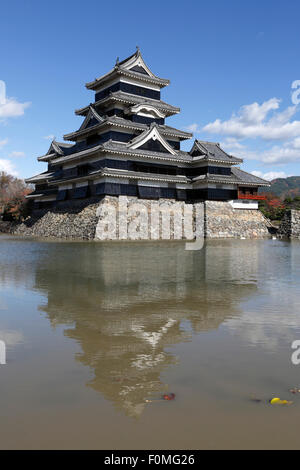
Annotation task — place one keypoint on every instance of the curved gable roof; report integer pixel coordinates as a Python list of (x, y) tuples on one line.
[(150, 134), (213, 151)]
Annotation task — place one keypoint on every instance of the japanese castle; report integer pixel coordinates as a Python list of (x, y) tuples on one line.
[(124, 147)]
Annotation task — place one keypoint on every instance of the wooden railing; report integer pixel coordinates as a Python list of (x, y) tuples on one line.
[(255, 197)]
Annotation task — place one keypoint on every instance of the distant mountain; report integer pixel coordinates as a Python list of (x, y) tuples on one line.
[(284, 187)]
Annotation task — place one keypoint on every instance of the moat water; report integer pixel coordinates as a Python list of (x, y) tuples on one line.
[(97, 333)]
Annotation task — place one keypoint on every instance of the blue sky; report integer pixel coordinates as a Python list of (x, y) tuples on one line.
[(231, 65)]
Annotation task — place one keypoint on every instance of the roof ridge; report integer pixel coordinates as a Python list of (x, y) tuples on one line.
[(130, 57), (153, 132), (96, 114), (207, 142), (150, 100), (56, 147), (64, 144), (134, 99), (132, 60), (247, 173), (175, 128)]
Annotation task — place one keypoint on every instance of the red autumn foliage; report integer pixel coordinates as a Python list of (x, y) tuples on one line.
[(276, 203), (169, 396), (272, 207), (13, 204)]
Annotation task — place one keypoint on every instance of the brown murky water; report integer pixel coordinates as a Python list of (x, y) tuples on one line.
[(93, 331)]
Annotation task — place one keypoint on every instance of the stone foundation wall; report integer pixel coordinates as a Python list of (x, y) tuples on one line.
[(130, 218), (290, 225), (78, 221), (5, 227), (223, 221)]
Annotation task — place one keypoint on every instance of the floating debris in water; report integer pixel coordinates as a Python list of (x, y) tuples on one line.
[(295, 390), (278, 401), (153, 401), (169, 396)]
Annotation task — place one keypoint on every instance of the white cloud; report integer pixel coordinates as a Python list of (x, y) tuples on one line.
[(3, 142), (193, 128), (271, 175), (11, 337), (49, 137), (231, 144), (8, 167), (259, 121), (287, 152), (10, 107), (16, 154), (295, 144), (278, 154), (266, 328)]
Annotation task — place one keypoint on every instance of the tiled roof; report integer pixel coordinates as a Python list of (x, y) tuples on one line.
[(47, 157), (115, 147), (122, 149), (166, 130), (121, 69), (121, 96), (237, 176), (245, 177), (64, 144), (144, 176), (213, 151), (126, 123), (41, 177), (44, 192), (77, 155), (56, 148), (118, 173), (174, 131)]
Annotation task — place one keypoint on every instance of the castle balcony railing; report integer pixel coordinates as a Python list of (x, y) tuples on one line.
[(255, 197)]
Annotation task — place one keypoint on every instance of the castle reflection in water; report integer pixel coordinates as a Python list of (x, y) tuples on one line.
[(127, 304)]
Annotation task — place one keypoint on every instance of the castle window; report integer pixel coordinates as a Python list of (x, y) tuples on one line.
[(80, 192), (83, 169), (92, 139), (61, 195)]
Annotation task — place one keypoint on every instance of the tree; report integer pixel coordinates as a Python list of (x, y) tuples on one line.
[(272, 207), (13, 204)]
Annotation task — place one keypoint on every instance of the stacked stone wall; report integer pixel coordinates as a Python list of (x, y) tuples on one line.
[(290, 225), (119, 218), (223, 221)]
